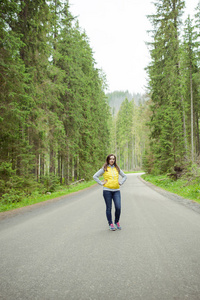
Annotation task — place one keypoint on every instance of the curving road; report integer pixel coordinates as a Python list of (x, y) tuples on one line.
[(63, 250)]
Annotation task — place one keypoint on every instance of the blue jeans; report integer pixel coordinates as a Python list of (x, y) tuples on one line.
[(116, 197)]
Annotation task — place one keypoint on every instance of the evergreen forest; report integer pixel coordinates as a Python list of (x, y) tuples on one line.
[(129, 130), (174, 89), (54, 114), (57, 124)]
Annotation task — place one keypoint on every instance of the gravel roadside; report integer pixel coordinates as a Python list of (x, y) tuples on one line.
[(186, 202)]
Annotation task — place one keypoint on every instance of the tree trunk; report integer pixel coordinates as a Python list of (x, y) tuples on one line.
[(38, 168), (78, 172), (133, 154), (52, 164), (198, 141), (73, 169), (68, 165), (192, 122)]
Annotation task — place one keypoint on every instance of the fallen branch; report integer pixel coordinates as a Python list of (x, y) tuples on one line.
[(78, 181)]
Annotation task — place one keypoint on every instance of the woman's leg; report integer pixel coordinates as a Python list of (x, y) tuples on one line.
[(108, 200), (117, 202)]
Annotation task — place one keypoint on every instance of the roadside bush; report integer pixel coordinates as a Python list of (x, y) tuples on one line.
[(12, 187), (12, 196), (50, 182)]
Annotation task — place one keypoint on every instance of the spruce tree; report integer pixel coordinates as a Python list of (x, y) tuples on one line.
[(188, 71), (165, 87), (54, 115), (14, 84), (196, 77)]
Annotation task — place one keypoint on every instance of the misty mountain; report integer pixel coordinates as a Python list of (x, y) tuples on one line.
[(116, 98)]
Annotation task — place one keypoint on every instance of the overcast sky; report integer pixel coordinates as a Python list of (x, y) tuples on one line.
[(117, 33)]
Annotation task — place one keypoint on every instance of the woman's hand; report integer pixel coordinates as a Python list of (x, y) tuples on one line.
[(104, 181)]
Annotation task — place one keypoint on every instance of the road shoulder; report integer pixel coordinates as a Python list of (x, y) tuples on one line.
[(183, 201)]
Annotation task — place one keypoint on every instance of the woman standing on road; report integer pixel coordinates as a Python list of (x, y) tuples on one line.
[(111, 188)]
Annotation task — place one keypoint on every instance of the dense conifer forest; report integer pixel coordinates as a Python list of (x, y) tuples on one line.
[(116, 98), (57, 124), (54, 114), (174, 77), (129, 130)]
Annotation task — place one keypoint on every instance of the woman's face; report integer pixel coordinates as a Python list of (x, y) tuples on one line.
[(112, 160)]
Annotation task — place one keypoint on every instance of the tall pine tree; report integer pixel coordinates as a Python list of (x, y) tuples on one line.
[(165, 87)]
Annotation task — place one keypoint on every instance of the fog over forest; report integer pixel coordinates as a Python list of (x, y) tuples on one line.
[(116, 98)]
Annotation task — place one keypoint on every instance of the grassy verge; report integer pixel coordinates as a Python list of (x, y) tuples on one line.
[(187, 188), (37, 197)]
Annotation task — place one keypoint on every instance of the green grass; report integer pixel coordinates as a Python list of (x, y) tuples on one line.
[(187, 188), (36, 197)]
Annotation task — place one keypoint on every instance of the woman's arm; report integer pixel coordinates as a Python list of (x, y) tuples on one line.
[(124, 177), (96, 176)]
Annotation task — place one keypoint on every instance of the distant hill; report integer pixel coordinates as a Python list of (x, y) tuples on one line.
[(116, 98)]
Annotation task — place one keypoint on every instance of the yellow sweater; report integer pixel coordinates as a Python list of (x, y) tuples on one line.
[(112, 177)]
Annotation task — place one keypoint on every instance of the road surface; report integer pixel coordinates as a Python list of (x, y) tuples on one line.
[(63, 250)]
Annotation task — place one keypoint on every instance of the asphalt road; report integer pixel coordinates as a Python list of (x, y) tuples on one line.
[(64, 250)]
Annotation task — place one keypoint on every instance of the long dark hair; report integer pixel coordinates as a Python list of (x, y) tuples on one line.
[(107, 163)]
